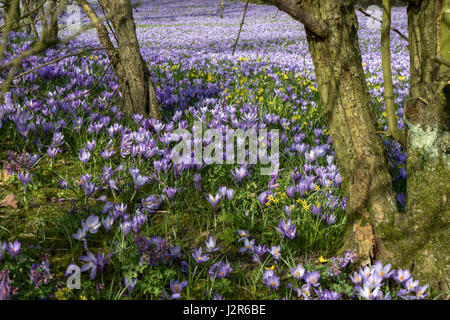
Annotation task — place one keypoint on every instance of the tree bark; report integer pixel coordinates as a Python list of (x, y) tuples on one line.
[(425, 247), (54, 27), (352, 125), (135, 82), (221, 8), (12, 11)]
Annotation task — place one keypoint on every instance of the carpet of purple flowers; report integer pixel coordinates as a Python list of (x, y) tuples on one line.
[(96, 188)]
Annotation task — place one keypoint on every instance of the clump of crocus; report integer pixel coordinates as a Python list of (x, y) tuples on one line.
[(220, 270), (129, 284), (271, 279), (40, 273), (286, 229)]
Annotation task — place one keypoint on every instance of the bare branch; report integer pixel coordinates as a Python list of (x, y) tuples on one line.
[(376, 19), (441, 61), (240, 27), (318, 28), (54, 61)]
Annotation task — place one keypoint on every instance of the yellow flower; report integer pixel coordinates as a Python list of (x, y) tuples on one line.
[(317, 188), (322, 260)]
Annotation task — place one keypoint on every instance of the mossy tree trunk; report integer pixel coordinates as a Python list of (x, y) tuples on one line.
[(425, 246), (11, 10), (393, 130), (135, 81), (351, 120)]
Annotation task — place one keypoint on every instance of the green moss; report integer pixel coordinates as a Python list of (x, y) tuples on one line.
[(419, 239)]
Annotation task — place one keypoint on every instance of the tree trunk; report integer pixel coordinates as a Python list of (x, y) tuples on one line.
[(30, 19), (135, 82), (426, 245), (221, 8), (54, 27), (13, 7), (352, 125)]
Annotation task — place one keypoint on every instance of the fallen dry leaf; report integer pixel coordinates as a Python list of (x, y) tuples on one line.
[(9, 201)]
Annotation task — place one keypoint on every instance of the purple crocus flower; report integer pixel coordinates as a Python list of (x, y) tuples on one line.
[(366, 292), (92, 224), (331, 219), (176, 287), (197, 178), (52, 152), (213, 200), (217, 296), (62, 184), (14, 248), (401, 276), (239, 174), (271, 279), (126, 227), (91, 264), (315, 210), (401, 199), (383, 271), (230, 194), (184, 267), (25, 178), (139, 181), (298, 272), (108, 222), (290, 191), (211, 245), (80, 234), (90, 145), (286, 229), (219, 270), (243, 233), (420, 293), (198, 257), (248, 245), (260, 250), (5, 285), (84, 156), (151, 203), (170, 192), (129, 284), (356, 278), (305, 291), (275, 252), (88, 188), (312, 278), (264, 197), (327, 295), (410, 284)]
